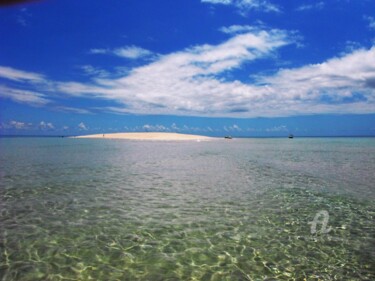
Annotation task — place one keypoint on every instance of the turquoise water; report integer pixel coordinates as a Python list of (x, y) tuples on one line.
[(76, 209)]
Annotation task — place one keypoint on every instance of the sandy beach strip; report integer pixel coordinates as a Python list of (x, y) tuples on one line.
[(149, 136)]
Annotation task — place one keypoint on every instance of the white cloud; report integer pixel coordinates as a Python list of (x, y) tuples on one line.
[(281, 128), (316, 6), (263, 5), (20, 95), (223, 2), (16, 125), (94, 71), (174, 127), (244, 6), (99, 51), (233, 128), (82, 126), (23, 96), (350, 47), (19, 75), (129, 52), (185, 128), (183, 82), (71, 109), (193, 82), (354, 70), (132, 52), (162, 128), (343, 84), (155, 128), (371, 21), (235, 29), (46, 126), (21, 125)]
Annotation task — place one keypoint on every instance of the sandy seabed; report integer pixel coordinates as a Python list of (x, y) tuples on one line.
[(148, 136)]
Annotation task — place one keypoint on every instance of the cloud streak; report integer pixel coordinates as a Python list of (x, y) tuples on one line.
[(244, 6), (24, 96), (19, 75), (128, 52), (307, 7), (237, 29)]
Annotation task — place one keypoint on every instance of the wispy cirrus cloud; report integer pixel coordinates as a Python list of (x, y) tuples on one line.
[(19, 75), (223, 2), (244, 6), (236, 29), (100, 51), (94, 71), (69, 109), (314, 6), (24, 96), (128, 52), (40, 90)]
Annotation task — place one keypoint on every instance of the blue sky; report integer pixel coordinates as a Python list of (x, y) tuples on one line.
[(213, 67)]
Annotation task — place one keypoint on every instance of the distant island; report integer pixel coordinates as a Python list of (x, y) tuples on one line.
[(148, 136)]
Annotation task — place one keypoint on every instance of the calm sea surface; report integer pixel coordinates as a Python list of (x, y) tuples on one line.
[(242, 209)]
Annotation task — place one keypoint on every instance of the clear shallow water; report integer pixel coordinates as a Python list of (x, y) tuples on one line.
[(75, 209)]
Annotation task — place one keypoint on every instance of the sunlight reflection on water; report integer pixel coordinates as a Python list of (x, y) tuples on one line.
[(234, 210)]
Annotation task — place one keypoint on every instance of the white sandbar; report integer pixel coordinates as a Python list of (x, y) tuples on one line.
[(148, 136)]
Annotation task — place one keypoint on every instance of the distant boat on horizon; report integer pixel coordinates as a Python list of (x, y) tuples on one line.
[(228, 137), (290, 136)]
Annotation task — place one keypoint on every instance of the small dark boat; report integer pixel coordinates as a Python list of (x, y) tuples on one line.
[(228, 137), (290, 136)]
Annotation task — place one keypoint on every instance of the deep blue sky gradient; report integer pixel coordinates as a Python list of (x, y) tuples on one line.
[(54, 39)]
